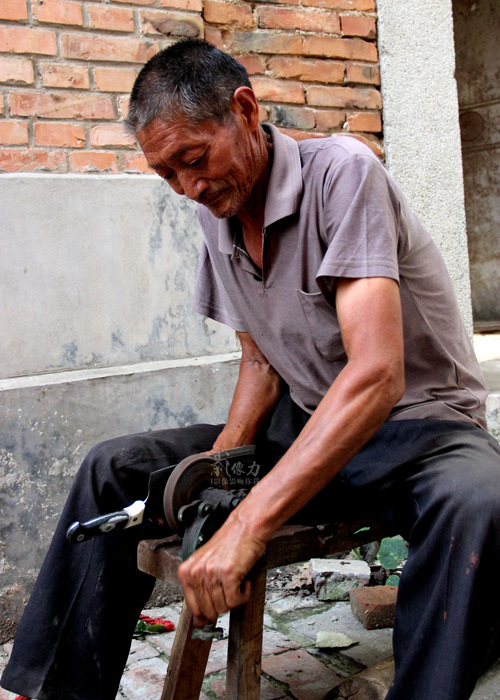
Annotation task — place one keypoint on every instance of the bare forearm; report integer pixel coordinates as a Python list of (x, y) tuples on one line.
[(350, 413), (256, 394)]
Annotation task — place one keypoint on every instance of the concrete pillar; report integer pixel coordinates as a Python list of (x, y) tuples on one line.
[(421, 129)]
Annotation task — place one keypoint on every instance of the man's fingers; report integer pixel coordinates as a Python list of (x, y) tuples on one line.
[(203, 612), (238, 595)]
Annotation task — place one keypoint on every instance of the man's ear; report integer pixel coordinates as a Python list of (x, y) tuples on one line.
[(244, 103)]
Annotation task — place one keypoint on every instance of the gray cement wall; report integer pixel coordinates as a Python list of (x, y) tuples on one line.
[(98, 340), (421, 129)]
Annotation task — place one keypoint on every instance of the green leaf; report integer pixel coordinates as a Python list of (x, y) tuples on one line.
[(156, 628), (393, 552), (363, 529), (392, 580)]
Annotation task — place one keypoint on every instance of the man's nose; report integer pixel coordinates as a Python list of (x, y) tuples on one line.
[(192, 185)]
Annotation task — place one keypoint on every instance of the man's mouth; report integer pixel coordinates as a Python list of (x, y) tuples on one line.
[(210, 199)]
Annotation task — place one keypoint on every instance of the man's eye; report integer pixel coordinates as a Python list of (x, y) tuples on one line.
[(194, 163)]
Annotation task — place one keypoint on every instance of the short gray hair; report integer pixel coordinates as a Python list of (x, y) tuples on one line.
[(191, 78)]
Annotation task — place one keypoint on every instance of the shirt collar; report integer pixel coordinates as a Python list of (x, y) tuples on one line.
[(284, 189)]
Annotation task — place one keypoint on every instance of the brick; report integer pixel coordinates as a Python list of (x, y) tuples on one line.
[(372, 142), (59, 135), (357, 5), (371, 684), (123, 103), (193, 5), (362, 73), (282, 2), (170, 24), (27, 40), (13, 10), (352, 49), (57, 12), (292, 117), (300, 135), (310, 70), (107, 48), (264, 42), (13, 133), (263, 113), (137, 2), (93, 161), (115, 79), (358, 25), (374, 606), (347, 97), (305, 20), (60, 106), (31, 159), (16, 70), (59, 75), (110, 135), (228, 13), (214, 36), (278, 90), (113, 19), (135, 163), (254, 65), (329, 120), (303, 675), (365, 121)]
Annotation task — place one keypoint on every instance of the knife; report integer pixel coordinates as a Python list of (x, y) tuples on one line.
[(130, 516), (152, 506)]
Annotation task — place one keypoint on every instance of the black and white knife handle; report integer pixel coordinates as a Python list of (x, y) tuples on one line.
[(119, 520)]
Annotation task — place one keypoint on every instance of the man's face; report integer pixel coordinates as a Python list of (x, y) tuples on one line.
[(213, 164)]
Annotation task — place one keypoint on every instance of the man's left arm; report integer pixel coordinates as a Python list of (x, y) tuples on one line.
[(353, 409)]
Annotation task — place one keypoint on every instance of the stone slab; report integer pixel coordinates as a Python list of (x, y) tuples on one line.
[(334, 578)]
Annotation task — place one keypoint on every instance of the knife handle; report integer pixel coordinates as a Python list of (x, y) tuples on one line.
[(119, 520)]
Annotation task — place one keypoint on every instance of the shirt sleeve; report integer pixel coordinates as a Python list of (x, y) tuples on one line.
[(211, 298), (361, 221)]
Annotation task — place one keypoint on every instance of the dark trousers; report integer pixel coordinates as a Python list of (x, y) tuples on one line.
[(438, 482)]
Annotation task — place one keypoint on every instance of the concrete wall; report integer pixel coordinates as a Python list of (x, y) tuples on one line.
[(97, 340), (421, 129)]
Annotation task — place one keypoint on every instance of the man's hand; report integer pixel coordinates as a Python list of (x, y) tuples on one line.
[(214, 577)]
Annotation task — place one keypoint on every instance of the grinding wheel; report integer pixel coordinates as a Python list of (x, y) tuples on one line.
[(189, 478)]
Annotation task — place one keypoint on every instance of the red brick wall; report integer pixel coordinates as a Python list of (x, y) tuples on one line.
[(67, 66)]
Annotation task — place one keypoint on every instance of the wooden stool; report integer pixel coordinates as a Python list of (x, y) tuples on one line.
[(289, 545)]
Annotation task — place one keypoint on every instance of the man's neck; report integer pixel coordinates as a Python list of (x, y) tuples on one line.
[(251, 216)]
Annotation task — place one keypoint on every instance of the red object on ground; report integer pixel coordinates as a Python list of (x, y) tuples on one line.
[(169, 626)]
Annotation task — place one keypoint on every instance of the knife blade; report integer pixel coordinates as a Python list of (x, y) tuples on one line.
[(130, 516)]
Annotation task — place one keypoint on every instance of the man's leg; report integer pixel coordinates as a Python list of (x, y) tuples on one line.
[(438, 484), (75, 634), (447, 628)]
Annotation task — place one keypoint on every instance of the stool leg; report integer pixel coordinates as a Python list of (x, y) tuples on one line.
[(244, 656), (188, 661)]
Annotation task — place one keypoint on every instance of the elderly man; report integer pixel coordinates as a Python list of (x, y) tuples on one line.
[(357, 382)]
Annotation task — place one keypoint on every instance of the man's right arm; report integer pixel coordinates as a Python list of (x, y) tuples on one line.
[(256, 393)]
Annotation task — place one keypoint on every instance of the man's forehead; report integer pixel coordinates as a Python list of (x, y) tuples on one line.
[(176, 135)]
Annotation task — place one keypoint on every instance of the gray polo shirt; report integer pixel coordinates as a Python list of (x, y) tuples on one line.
[(332, 210)]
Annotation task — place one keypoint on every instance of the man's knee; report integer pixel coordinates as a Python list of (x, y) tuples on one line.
[(469, 491)]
